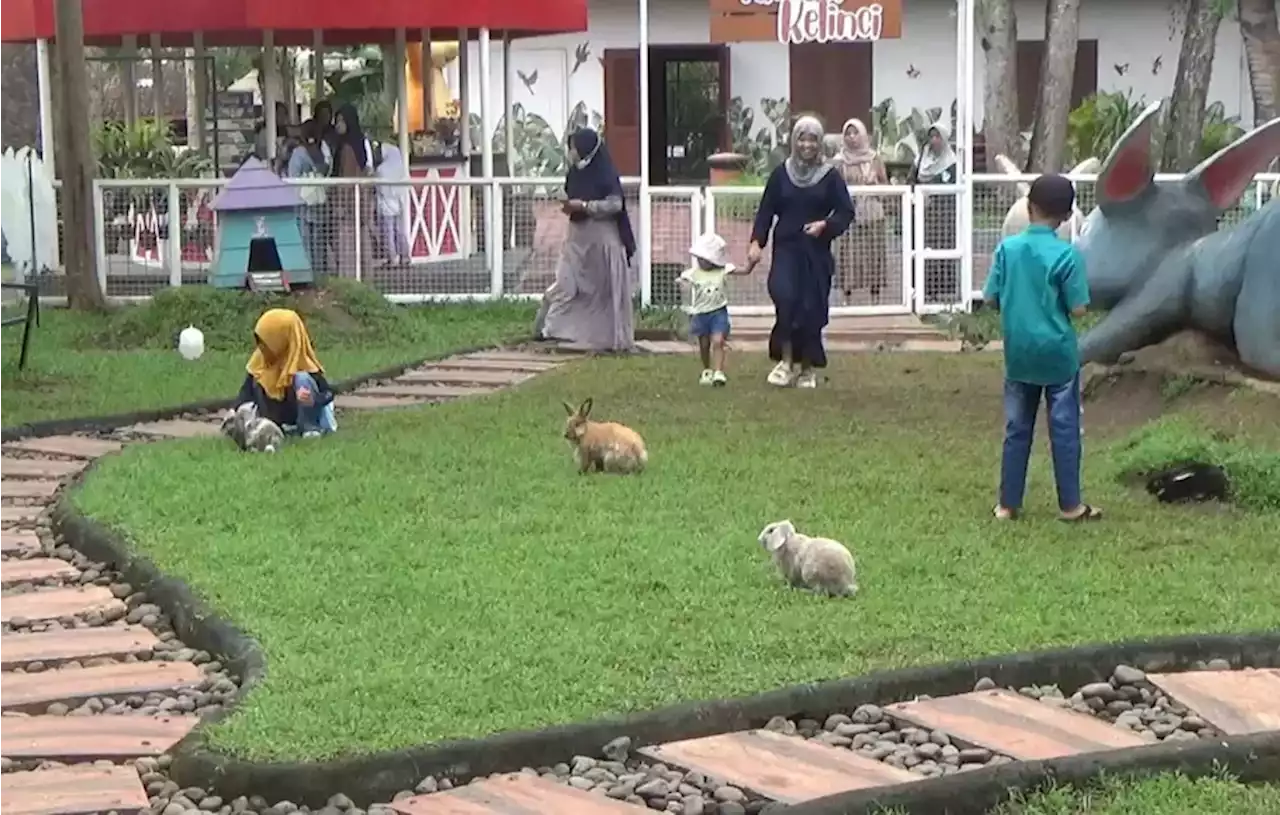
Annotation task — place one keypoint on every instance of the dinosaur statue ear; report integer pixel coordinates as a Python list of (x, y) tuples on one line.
[(1129, 170), (1224, 176)]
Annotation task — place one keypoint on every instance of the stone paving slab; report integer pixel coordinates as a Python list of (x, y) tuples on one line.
[(50, 604), (73, 791), (28, 488), (785, 768), (425, 391), (531, 366), (514, 795), (19, 542), (177, 429), (452, 376), (1235, 702), (72, 446), (34, 692), (89, 738), (358, 401), (1012, 724), (39, 467), (13, 572), (20, 516), (55, 647)]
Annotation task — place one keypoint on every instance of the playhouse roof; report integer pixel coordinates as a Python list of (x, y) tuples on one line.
[(254, 186)]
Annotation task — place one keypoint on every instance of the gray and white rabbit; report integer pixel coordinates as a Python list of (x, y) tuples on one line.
[(820, 565), (252, 432)]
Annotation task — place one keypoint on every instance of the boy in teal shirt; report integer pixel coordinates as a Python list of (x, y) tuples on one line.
[(1037, 282)]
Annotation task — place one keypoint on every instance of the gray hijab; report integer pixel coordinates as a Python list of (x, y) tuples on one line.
[(806, 173)]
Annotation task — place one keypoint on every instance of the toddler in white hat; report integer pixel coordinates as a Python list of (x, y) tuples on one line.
[(708, 306)]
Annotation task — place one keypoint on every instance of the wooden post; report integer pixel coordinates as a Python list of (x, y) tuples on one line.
[(83, 290)]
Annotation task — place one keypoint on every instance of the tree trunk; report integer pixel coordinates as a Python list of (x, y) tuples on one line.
[(998, 26), (1260, 30), (1184, 123), (76, 162), (1057, 76)]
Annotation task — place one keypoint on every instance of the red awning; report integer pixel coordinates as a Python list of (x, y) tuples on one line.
[(241, 22)]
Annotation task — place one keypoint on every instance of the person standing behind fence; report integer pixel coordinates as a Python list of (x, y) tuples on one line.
[(309, 161), (862, 261), (812, 208), (393, 203), (590, 300), (937, 165), (351, 159)]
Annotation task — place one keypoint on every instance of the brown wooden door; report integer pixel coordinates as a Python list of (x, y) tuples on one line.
[(832, 80), (1031, 54), (622, 108)]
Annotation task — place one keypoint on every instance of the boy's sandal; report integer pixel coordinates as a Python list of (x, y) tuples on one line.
[(1090, 513), (1002, 514)]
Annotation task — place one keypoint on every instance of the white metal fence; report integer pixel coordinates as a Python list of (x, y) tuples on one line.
[(438, 237)]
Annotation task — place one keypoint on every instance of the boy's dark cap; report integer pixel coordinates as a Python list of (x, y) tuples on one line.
[(1053, 195)]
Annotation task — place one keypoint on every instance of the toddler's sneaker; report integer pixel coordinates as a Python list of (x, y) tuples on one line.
[(781, 375), (807, 380), (719, 379), (707, 378)]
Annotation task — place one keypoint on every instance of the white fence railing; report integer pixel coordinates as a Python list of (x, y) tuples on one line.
[(913, 249)]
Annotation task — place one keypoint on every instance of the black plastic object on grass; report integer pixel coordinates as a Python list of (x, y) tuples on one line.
[(1187, 483)]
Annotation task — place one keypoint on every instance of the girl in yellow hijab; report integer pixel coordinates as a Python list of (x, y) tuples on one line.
[(285, 379)]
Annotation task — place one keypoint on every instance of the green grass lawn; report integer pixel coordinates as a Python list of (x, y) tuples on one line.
[(445, 572), (93, 365), (1163, 795)]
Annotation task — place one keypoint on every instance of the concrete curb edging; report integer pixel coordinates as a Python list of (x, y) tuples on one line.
[(57, 427), (374, 778)]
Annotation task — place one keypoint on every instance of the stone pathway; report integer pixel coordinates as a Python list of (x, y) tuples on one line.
[(97, 688)]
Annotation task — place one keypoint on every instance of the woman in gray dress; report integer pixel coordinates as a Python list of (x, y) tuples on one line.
[(590, 301)]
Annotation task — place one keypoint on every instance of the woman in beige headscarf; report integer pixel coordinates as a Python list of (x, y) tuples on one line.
[(862, 261)]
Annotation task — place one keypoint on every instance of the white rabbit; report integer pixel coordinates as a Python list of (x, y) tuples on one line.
[(1018, 216), (820, 565)]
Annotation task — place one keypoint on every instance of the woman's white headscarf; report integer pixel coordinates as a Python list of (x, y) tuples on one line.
[(801, 172), (934, 162)]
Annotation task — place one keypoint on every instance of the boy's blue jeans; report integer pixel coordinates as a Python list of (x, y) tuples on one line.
[(1021, 400)]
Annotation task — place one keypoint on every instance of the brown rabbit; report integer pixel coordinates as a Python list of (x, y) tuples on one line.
[(606, 446)]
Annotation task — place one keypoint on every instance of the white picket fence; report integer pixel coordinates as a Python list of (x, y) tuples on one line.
[(476, 239)]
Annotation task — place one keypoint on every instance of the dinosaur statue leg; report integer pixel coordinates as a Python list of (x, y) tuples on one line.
[(1257, 319), (1145, 317)]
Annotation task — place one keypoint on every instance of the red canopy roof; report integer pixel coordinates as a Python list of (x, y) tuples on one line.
[(241, 22)]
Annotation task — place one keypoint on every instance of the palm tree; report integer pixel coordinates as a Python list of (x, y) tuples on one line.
[(1260, 30)]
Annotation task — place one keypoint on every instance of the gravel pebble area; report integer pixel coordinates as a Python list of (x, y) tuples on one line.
[(217, 689), (1130, 702), (872, 733)]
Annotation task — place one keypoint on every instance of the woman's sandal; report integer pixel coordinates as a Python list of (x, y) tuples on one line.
[(1002, 514), (1090, 513)]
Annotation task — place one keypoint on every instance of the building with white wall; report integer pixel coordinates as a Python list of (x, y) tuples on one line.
[(1128, 47)]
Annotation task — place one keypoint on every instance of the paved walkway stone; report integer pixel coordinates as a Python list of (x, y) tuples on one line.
[(72, 446), (73, 791), (39, 467), (36, 569)]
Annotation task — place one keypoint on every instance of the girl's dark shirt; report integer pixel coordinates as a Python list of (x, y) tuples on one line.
[(283, 411)]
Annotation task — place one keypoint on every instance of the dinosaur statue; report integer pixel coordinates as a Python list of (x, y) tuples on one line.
[(1017, 218), (1156, 258)]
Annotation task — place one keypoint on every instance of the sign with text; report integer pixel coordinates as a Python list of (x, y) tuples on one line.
[(803, 21)]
